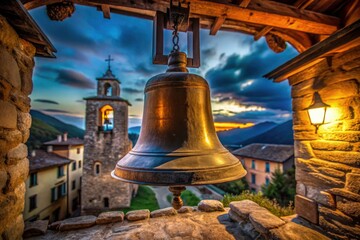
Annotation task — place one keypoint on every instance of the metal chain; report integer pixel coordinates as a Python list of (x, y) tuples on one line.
[(175, 34)]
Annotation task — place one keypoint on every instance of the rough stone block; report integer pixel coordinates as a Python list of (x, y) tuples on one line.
[(185, 209), (353, 182), (317, 179), (35, 228), (17, 153), (303, 150), (320, 196), (300, 188), (233, 216), (349, 158), (18, 173), (9, 139), (331, 172), (348, 207), (348, 136), (8, 116), (332, 226), (344, 89), (170, 211), (3, 178), (110, 217), (77, 223), (335, 214), (10, 70), (331, 145), (14, 229), (306, 208), (295, 231), (244, 208), (24, 121), (210, 206), (137, 215), (342, 192), (263, 221)]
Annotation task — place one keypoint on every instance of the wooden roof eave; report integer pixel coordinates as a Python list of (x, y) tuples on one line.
[(27, 29), (343, 39)]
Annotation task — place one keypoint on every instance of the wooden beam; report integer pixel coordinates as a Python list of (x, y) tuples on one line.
[(262, 32), (106, 10), (268, 13), (217, 24), (343, 39), (244, 3), (300, 4)]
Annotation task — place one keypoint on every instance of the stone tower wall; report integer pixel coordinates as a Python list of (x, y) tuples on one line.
[(16, 66), (106, 148), (328, 162)]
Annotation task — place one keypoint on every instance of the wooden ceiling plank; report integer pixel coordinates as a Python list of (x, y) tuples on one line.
[(106, 10), (303, 4), (244, 3), (268, 13), (217, 24)]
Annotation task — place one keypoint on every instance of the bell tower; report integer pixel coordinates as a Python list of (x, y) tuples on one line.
[(106, 141)]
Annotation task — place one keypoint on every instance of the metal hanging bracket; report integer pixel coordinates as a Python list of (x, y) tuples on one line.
[(176, 16)]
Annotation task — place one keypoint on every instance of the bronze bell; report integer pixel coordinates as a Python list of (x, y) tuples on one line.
[(178, 145)]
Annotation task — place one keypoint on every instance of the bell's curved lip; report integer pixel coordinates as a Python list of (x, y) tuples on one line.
[(179, 153), (201, 177)]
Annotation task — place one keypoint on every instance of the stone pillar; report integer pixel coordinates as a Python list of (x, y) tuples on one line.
[(16, 65), (328, 162)]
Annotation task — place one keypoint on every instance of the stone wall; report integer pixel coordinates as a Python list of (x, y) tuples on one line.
[(16, 66), (328, 162)]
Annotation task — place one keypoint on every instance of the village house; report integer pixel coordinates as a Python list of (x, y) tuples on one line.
[(261, 160), (73, 149), (327, 36), (53, 188), (46, 195)]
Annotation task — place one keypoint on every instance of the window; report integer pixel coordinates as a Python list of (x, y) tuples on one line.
[(73, 185), (106, 202), (58, 192), (253, 164), (61, 171), (78, 150), (253, 178), (267, 181), (107, 89), (61, 190), (97, 168), (106, 118), (74, 204), (267, 167), (54, 195), (32, 201), (33, 179), (56, 215), (80, 164), (73, 166)]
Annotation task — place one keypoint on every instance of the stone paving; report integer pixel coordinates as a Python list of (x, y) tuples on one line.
[(244, 220)]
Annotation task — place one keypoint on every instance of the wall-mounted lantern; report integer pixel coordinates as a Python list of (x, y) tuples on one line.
[(317, 111)]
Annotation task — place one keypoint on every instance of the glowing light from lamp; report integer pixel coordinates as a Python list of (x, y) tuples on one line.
[(317, 111)]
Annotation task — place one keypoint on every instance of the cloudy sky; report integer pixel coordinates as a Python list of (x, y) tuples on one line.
[(233, 63)]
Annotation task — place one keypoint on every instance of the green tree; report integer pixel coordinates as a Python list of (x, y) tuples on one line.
[(234, 187), (282, 187)]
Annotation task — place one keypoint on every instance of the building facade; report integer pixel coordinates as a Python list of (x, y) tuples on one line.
[(261, 160), (73, 149), (106, 141), (46, 195)]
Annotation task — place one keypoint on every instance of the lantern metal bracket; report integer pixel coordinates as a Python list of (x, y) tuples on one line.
[(165, 21)]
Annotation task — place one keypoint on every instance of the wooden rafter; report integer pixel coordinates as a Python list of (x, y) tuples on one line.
[(268, 13), (106, 10), (244, 3), (217, 24), (300, 4)]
